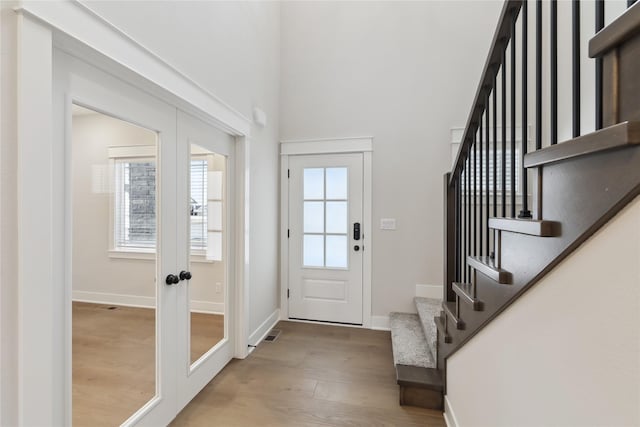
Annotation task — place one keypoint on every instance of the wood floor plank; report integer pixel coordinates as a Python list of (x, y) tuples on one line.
[(350, 370), (114, 359)]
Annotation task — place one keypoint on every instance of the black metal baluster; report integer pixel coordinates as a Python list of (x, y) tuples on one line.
[(503, 172), (474, 147), (464, 223), (495, 155), (513, 119), (538, 74), (480, 191), (524, 213), (469, 171), (575, 13), (554, 72), (457, 230), (486, 175), (495, 147), (599, 26)]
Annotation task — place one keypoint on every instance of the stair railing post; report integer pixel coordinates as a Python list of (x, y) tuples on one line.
[(449, 238)]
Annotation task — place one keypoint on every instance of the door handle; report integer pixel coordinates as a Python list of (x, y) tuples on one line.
[(185, 275), (356, 231), (172, 279)]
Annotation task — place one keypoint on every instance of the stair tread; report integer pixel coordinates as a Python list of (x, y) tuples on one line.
[(617, 136), (450, 310), (428, 308), (486, 265), (410, 346), (534, 227), (615, 33), (465, 292), (414, 376)]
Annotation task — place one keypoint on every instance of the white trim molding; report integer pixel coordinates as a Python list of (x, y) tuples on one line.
[(139, 301), (78, 21), (265, 327), (429, 291), (449, 416), (362, 145), (326, 146), (380, 323)]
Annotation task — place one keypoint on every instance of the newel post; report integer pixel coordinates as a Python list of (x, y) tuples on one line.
[(449, 238)]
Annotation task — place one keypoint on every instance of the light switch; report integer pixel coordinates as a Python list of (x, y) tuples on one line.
[(387, 224)]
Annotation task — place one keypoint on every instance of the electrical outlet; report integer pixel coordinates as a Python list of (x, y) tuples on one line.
[(218, 287)]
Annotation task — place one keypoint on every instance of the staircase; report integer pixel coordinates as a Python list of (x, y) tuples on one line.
[(413, 338), (495, 247)]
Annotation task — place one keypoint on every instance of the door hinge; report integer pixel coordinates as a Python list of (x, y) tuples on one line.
[(287, 293), (288, 173)]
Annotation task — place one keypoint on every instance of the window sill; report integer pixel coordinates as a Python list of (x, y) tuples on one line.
[(151, 256)]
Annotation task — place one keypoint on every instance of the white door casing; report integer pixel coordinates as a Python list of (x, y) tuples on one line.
[(336, 288)]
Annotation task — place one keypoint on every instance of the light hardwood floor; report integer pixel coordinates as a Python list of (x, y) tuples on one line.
[(312, 375), (114, 359)]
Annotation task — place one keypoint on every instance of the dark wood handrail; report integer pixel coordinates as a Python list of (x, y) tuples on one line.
[(501, 38)]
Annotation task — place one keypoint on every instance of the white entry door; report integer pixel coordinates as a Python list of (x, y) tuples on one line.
[(325, 237)]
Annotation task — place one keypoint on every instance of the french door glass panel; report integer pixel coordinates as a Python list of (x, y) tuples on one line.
[(114, 342), (206, 219)]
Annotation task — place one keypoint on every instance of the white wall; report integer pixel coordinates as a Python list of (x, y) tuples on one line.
[(98, 276), (404, 73), (568, 353), (8, 219), (233, 50)]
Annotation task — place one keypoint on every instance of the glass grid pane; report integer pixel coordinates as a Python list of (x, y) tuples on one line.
[(337, 183), (337, 251), (313, 183), (337, 217), (314, 217), (313, 251)]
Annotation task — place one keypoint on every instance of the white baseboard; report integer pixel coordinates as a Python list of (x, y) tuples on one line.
[(429, 291), (261, 332), (141, 301), (380, 323), (449, 416)]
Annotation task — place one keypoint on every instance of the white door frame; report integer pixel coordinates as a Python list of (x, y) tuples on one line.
[(42, 268), (362, 145)]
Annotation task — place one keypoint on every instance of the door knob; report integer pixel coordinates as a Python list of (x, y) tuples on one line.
[(185, 275), (172, 279)]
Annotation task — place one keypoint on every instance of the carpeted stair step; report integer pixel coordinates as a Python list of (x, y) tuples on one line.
[(410, 347), (427, 309)]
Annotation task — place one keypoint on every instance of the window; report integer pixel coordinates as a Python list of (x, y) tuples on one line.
[(481, 171), (134, 203)]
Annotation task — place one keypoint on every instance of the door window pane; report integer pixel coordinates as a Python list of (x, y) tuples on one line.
[(336, 183), (313, 217), (207, 286), (337, 251), (337, 217), (313, 183), (313, 251)]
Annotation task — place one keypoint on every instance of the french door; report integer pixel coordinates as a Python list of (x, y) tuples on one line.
[(148, 249), (326, 238)]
